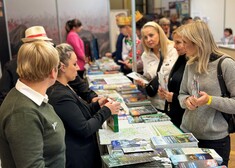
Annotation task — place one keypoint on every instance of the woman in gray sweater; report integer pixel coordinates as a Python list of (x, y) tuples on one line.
[(200, 92)]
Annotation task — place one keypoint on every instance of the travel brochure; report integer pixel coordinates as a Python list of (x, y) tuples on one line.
[(175, 141), (137, 76), (142, 110)]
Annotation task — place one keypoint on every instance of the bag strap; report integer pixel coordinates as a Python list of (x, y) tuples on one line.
[(223, 88), (160, 63)]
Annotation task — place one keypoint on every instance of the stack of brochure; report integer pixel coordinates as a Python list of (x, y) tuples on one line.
[(175, 141)]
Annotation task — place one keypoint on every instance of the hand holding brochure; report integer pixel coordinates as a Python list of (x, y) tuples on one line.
[(137, 76)]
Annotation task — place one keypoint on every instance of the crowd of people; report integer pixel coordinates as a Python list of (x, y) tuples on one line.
[(49, 117)]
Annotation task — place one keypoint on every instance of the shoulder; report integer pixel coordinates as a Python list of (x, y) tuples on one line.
[(72, 34), (228, 62), (59, 92)]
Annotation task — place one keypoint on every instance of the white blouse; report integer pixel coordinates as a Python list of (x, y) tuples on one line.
[(150, 65)]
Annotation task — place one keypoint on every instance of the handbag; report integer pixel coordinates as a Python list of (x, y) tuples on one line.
[(230, 118), (152, 87)]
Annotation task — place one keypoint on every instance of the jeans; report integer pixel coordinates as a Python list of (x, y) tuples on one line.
[(221, 146)]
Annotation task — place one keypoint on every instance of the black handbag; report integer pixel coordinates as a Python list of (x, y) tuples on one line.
[(152, 87), (230, 118)]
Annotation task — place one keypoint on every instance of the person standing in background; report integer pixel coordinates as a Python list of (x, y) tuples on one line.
[(73, 27), (200, 92), (228, 36), (165, 24), (117, 55), (31, 134), (174, 22)]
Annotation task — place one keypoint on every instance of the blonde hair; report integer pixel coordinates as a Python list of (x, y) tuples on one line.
[(200, 35), (65, 51), (178, 31), (163, 40), (36, 60)]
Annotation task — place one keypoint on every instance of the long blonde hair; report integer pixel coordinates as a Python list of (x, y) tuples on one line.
[(164, 41), (200, 35)]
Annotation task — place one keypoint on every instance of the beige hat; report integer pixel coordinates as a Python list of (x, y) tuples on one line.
[(123, 21), (35, 33)]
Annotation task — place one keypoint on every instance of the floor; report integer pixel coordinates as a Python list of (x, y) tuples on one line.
[(232, 153)]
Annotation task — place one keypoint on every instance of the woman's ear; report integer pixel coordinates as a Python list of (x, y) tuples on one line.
[(62, 67)]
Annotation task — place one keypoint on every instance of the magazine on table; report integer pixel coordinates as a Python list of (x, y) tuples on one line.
[(137, 76), (175, 141), (142, 110)]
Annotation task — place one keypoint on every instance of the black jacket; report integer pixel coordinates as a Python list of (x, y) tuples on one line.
[(173, 109), (81, 122)]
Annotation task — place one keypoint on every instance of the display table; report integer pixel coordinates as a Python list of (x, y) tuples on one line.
[(228, 49)]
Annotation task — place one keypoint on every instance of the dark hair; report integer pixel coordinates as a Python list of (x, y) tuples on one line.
[(141, 23), (229, 30), (185, 19), (71, 24), (15, 38)]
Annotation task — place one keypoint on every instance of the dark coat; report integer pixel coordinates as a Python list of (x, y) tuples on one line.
[(173, 109), (81, 122)]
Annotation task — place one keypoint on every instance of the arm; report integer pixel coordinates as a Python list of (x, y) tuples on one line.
[(81, 88), (118, 52), (75, 116), (224, 104), (183, 94), (8, 80), (26, 142)]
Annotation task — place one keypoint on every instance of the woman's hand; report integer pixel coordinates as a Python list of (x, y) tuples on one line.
[(113, 106), (168, 96), (161, 92), (191, 103), (101, 101), (140, 82), (126, 63), (108, 54), (203, 99)]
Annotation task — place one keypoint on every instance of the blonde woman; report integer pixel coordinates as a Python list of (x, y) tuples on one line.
[(31, 134), (200, 92), (170, 94), (156, 47)]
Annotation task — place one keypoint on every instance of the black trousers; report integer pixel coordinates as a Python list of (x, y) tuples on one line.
[(221, 146)]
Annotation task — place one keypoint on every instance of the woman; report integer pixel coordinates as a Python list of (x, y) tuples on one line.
[(165, 24), (228, 36), (31, 134), (200, 93), (73, 27), (156, 47), (81, 120), (172, 106)]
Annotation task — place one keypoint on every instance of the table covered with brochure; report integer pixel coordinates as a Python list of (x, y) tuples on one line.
[(141, 136)]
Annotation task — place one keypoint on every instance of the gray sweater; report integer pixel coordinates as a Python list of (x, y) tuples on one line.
[(30, 135), (206, 122)]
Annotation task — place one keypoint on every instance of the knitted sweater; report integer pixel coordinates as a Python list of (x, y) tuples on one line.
[(206, 122), (30, 135)]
